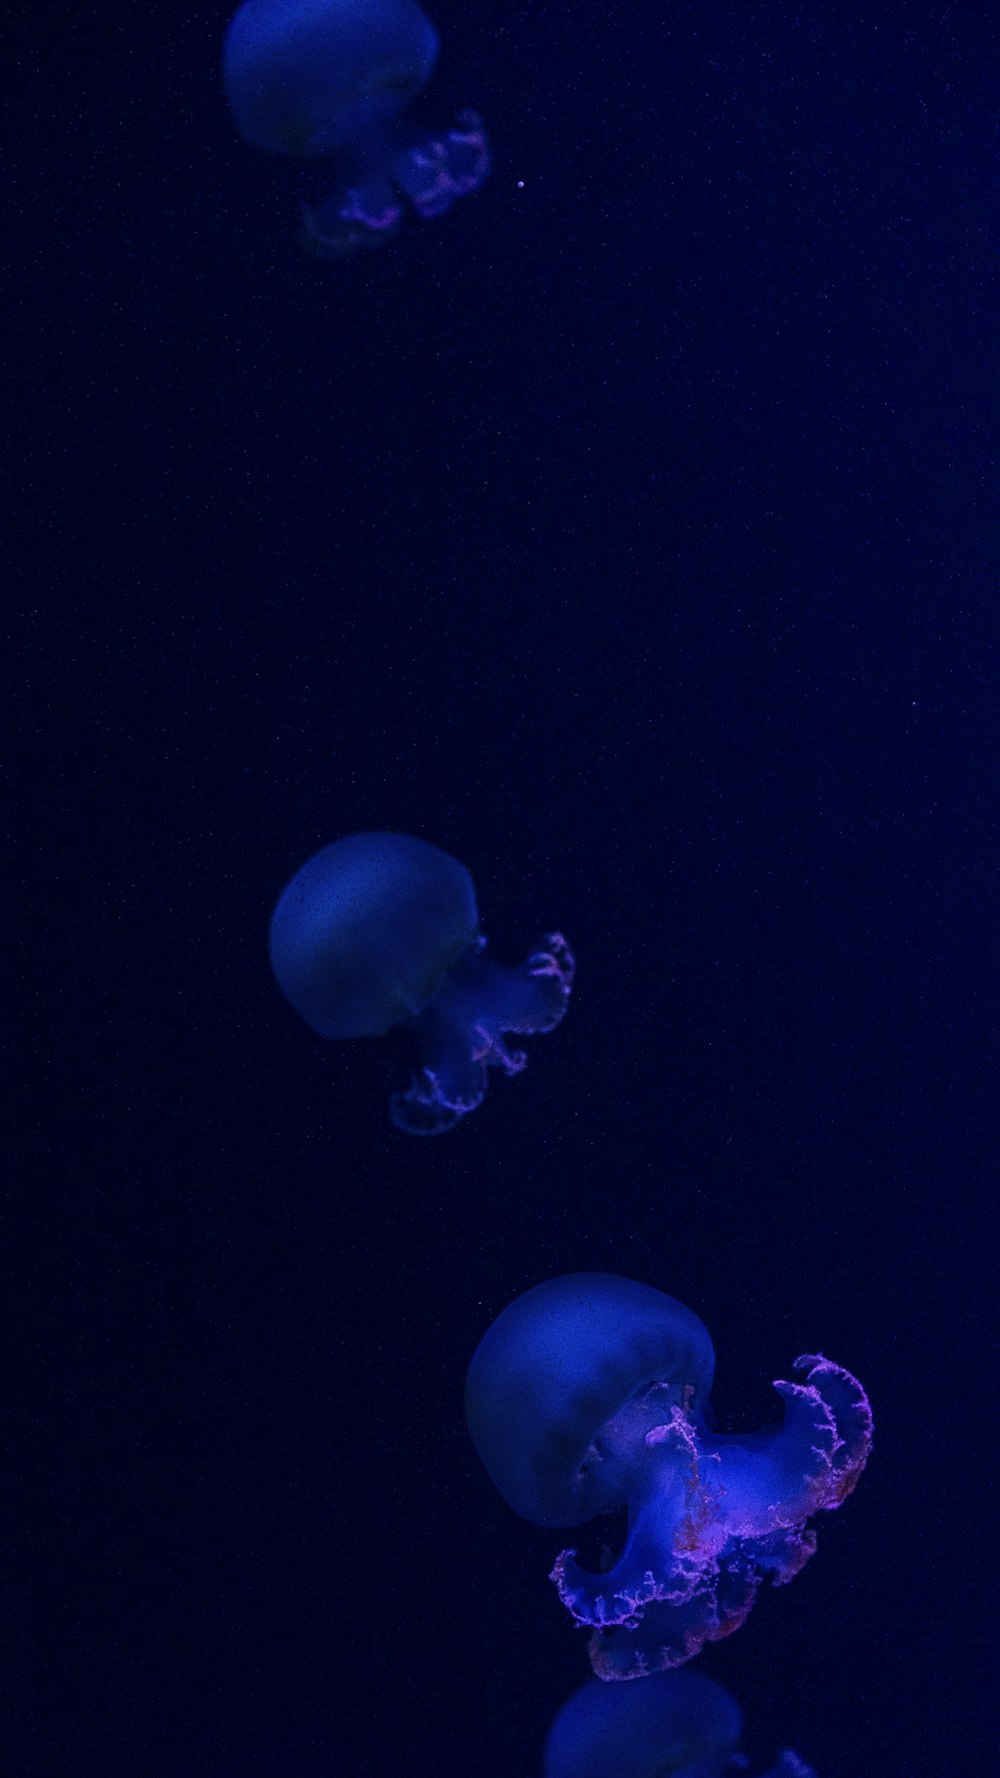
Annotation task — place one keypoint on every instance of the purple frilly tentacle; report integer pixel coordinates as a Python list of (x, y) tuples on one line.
[(464, 1030), (431, 174), (710, 1516), (438, 171)]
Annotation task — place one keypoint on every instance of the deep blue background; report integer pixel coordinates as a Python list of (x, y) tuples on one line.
[(632, 533)]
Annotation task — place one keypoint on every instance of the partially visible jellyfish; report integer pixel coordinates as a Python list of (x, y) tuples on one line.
[(589, 1395), (333, 78), (679, 1722), (673, 1725), (380, 930)]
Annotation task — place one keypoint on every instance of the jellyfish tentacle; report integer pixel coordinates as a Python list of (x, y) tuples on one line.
[(437, 170), (852, 1416)]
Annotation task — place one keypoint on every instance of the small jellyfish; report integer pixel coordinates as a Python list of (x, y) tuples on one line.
[(674, 1725), (333, 78), (590, 1395), (380, 930)]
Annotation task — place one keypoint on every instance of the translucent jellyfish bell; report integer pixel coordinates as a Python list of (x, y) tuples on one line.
[(673, 1723), (380, 930), (334, 78), (679, 1724)]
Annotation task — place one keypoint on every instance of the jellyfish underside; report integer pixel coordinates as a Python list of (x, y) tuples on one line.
[(710, 1516), (383, 167), (462, 1031)]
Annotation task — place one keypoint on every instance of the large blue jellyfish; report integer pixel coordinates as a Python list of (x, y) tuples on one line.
[(590, 1395), (333, 77), (380, 930), (674, 1725)]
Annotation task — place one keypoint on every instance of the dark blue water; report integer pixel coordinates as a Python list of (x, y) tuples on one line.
[(633, 534)]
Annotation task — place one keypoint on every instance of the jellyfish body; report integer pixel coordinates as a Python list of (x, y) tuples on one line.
[(380, 930), (333, 78), (588, 1396), (675, 1725)]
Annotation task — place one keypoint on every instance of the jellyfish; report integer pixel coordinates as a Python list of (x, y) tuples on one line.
[(674, 1725), (661, 1727), (380, 930), (589, 1396), (333, 78)]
